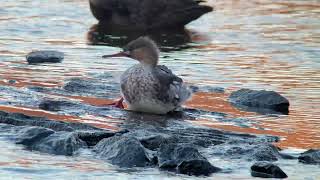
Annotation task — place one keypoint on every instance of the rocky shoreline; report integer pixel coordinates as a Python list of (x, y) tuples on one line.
[(143, 140)]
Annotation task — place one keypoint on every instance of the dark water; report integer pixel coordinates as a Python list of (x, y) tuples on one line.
[(263, 44)]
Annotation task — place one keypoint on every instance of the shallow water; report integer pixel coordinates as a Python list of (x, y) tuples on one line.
[(263, 44)]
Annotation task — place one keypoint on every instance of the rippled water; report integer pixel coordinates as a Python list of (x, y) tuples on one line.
[(257, 44)]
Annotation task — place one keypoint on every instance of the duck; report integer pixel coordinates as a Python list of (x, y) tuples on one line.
[(147, 86), (147, 14)]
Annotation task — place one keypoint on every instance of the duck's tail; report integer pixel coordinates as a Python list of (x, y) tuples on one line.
[(181, 16)]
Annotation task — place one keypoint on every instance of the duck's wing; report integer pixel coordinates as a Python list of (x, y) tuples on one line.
[(149, 13), (178, 12), (169, 87)]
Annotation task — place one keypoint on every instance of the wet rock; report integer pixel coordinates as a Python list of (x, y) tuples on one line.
[(265, 152), (196, 167), (19, 119), (45, 56), (123, 151), (30, 135), (54, 105), (185, 159), (59, 143), (260, 99), (211, 89), (12, 81), (151, 138), (311, 156), (94, 137), (98, 88), (267, 170), (155, 141)]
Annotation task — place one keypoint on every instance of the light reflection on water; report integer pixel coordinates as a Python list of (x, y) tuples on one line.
[(257, 44)]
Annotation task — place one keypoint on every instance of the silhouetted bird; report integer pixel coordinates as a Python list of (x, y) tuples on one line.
[(147, 14)]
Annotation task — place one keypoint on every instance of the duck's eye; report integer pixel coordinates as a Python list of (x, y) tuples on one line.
[(127, 53)]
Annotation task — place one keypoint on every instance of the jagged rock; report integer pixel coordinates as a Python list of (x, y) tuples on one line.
[(19, 119), (267, 170), (32, 134), (184, 159), (123, 151), (92, 138), (59, 143), (311, 156)]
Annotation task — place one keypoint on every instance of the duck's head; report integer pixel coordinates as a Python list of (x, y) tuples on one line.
[(142, 49)]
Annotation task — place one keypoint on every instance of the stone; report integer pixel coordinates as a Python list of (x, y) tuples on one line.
[(311, 156), (185, 159), (265, 152), (59, 143), (92, 138), (44, 57), (267, 170), (260, 99), (54, 105), (32, 134), (18, 119), (123, 151)]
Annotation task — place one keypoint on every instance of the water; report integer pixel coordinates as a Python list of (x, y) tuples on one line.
[(258, 44)]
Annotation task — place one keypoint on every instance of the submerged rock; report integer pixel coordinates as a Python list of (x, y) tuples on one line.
[(267, 170), (123, 151), (54, 105), (59, 143), (260, 99), (311, 156), (184, 159), (32, 134), (44, 56), (19, 119)]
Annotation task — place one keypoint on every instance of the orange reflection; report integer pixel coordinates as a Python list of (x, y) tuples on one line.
[(58, 117), (300, 134)]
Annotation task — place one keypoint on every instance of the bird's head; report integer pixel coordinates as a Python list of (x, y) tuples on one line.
[(142, 49)]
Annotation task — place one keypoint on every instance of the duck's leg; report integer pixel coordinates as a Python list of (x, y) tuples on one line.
[(118, 104)]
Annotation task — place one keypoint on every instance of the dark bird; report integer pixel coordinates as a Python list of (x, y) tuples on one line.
[(147, 14)]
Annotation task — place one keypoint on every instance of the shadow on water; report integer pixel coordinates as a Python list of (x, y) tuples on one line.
[(168, 39)]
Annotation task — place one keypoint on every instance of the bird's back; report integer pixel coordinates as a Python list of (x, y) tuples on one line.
[(157, 91), (148, 14)]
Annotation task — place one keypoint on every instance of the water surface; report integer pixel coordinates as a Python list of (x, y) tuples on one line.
[(257, 44)]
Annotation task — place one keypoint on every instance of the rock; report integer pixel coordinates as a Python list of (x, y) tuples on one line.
[(123, 151), (184, 159), (265, 152), (98, 88), (45, 56), (19, 119), (196, 167), (59, 143), (311, 156), (260, 99), (30, 135), (267, 170), (154, 142), (92, 138), (53, 105), (210, 89)]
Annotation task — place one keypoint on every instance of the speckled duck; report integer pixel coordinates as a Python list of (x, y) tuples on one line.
[(147, 86)]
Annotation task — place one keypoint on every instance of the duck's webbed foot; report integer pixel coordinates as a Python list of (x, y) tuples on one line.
[(118, 104)]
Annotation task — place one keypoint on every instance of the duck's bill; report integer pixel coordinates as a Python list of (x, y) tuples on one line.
[(120, 54)]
